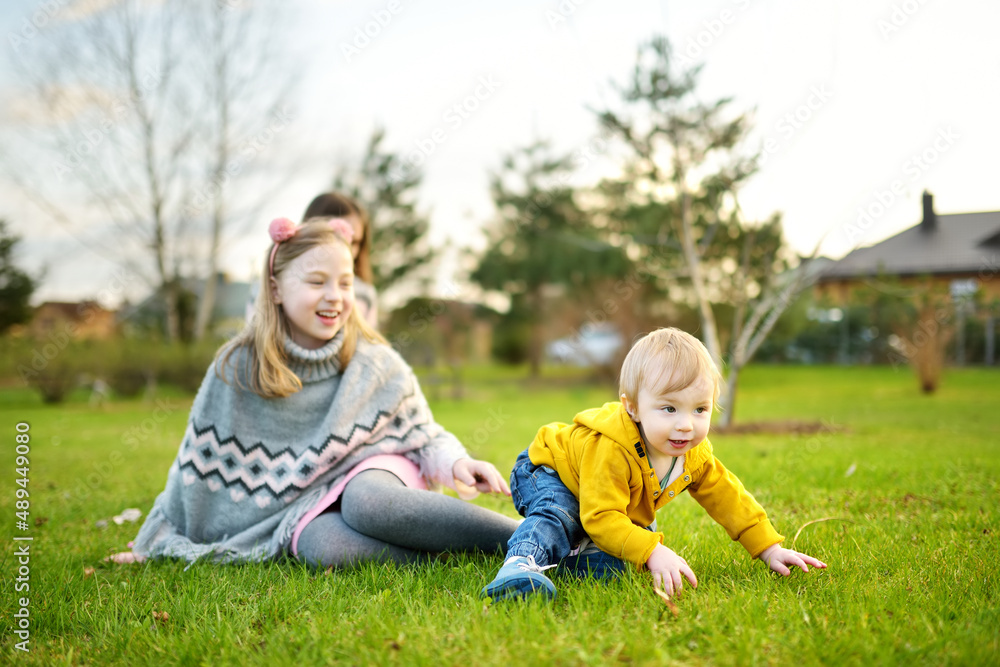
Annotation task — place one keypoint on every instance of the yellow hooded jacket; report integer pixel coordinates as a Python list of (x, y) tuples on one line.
[(600, 457)]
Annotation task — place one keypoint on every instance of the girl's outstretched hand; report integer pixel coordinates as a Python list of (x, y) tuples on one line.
[(480, 475), (124, 558), (778, 559)]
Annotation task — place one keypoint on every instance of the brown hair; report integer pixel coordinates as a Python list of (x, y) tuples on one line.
[(336, 205), (666, 360), (266, 368)]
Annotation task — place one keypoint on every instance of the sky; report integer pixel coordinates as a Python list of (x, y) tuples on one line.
[(859, 105)]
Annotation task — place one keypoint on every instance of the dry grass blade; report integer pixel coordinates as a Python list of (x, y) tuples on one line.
[(667, 601), (809, 523)]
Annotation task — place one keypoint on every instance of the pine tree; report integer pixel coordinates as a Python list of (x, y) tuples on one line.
[(541, 237), (16, 286)]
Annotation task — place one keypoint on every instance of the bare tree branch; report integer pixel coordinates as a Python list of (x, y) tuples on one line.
[(143, 134)]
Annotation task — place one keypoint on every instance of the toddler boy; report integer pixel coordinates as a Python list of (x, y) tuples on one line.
[(604, 476)]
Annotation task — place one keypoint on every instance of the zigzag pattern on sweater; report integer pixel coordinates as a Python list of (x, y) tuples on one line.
[(256, 471)]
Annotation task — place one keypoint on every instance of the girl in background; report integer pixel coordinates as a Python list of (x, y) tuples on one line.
[(335, 205)]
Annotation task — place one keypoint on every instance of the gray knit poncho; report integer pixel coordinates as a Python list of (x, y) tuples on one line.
[(250, 467)]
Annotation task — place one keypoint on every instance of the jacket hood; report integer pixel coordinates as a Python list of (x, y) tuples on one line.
[(612, 421)]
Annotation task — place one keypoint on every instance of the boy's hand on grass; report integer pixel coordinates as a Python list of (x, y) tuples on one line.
[(480, 475), (778, 559), (667, 568)]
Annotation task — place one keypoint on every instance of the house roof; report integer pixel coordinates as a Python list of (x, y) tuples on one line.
[(958, 243)]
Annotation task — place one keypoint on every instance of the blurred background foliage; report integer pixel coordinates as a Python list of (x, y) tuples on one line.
[(662, 242)]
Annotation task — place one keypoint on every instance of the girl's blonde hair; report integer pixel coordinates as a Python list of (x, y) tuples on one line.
[(664, 361), (266, 370)]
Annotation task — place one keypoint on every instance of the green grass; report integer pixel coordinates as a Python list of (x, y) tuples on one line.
[(912, 555)]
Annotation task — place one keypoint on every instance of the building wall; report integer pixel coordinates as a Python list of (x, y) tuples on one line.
[(839, 291), (87, 320)]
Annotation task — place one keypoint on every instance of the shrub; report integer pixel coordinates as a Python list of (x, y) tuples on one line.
[(127, 381), (54, 385), (184, 366), (131, 367), (511, 343), (53, 376)]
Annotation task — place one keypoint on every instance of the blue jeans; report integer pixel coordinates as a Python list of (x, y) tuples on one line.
[(551, 526)]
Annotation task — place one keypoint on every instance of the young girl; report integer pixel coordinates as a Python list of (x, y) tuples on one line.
[(310, 435), (336, 205)]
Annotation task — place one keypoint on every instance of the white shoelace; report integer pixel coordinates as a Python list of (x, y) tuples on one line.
[(531, 565)]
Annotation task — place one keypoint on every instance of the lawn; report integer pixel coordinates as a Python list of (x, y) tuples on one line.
[(908, 481)]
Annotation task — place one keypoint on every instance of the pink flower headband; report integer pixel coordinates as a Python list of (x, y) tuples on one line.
[(282, 229)]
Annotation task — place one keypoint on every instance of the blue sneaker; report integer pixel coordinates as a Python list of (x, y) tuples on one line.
[(520, 577)]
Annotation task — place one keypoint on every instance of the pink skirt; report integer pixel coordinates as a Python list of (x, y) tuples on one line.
[(400, 466)]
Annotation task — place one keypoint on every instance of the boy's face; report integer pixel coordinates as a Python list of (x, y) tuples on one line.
[(675, 422)]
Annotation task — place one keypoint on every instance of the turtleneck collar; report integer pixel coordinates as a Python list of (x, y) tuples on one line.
[(314, 365)]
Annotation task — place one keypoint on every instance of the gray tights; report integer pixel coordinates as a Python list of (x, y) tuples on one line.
[(381, 519)]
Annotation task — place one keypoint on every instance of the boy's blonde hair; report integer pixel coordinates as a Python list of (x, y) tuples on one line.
[(664, 361), (266, 369)]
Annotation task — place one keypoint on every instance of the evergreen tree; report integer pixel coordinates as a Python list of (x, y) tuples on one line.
[(16, 286), (540, 238), (677, 199), (387, 187)]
